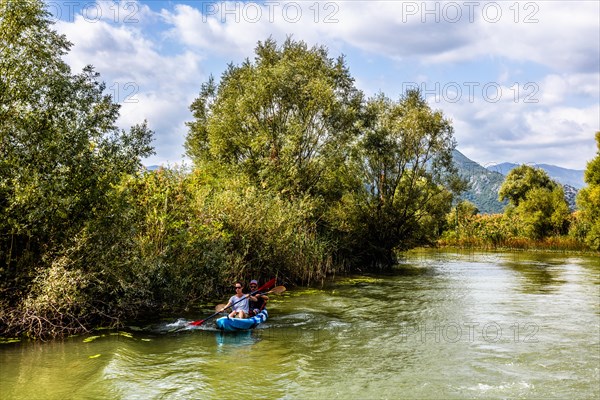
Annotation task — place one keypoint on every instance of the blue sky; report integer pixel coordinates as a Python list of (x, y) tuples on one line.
[(519, 79)]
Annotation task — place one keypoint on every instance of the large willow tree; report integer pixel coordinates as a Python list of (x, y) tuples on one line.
[(284, 120), (292, 123), (403, 159)]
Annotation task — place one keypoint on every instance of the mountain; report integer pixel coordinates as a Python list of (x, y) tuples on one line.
[(564, 176), (483, 184), (571, 196)]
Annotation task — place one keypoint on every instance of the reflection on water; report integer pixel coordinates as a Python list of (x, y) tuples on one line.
[(540, 273), (228, 340), (441, 325)]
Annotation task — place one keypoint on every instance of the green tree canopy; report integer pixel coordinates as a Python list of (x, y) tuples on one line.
[(588, 199), (403, 143), (284, 119), (403, 160), (521, 180), (60, 151), (537, 200)]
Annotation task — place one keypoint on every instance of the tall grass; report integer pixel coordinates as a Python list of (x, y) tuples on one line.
[(500, 231)]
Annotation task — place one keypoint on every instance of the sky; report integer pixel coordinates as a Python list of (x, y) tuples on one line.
[(520, 80)]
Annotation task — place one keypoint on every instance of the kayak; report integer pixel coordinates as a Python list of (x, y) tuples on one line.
[(242, 324)]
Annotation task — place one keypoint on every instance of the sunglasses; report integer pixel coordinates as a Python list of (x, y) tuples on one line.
[(238, 287)]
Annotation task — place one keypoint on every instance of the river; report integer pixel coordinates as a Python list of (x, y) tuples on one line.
[(441, 325)]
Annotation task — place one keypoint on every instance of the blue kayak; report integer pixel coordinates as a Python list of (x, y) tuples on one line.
[(242, 324)]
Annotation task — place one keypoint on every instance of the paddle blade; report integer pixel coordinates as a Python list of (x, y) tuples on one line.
[(197, 323), (219, 307), (277, 290), (266, 286)]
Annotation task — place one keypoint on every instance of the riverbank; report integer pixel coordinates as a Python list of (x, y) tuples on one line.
[(558, 244)]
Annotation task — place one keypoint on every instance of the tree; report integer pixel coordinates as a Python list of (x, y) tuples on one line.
[(404, 162), (284, 120), (60, 151), (521, 180), (544, 212), (588, 199), (461, 218), (537, 200)]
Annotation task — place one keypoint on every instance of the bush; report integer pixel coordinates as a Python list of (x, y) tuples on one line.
[(58, 304), (268, 235)]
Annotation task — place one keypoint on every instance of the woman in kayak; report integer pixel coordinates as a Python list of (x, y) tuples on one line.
[(238, 302)]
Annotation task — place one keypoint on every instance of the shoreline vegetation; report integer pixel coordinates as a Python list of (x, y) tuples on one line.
[(550, 245), (485, 232), (295, 175)]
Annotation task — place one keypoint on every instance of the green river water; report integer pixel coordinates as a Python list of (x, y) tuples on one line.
[(442, 325)]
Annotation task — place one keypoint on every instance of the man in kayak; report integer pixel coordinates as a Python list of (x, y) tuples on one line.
[(238, 302), (258, 301)]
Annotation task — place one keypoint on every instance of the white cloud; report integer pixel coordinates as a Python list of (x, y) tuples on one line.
[(525, 133), (148, 84), (560, 35), (234, 28), (167, 54), (555, 88)]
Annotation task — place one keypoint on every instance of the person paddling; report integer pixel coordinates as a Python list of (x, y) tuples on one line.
[(257, 302), (238, 302)]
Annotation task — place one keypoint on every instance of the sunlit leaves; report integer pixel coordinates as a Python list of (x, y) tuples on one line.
[(537, 201), (521, 180), (61, 155), (403, 161), (283, 120), (588, 200)]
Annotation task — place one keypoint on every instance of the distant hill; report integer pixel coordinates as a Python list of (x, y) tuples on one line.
[(483, 184), (565, 176)]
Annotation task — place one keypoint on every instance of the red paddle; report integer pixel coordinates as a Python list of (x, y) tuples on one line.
[(263, 287)]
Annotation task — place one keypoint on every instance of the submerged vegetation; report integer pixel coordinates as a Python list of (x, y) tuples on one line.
[(295, 174)]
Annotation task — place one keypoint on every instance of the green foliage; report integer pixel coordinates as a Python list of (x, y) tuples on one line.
[(181, 249), (544, 212), (465, 210), (296, 177), (195, 237), (60, 157), (588, 201), (377, 175), (270, 235), (60, 150), (403, 160), (537, 201), (461, 218), (504, 231), (537, 216), (284, 120), (521, 180), (58, 302)]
